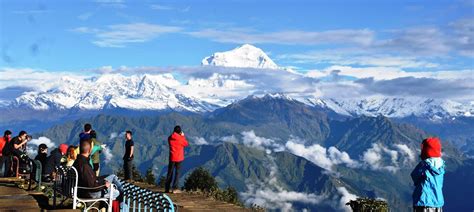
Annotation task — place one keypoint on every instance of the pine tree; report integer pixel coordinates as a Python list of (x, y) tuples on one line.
[(136, 174)]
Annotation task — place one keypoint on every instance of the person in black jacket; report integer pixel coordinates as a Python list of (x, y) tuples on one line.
[(87, 177), (54, 159), (128, 156), (42, 155), (14, 148)]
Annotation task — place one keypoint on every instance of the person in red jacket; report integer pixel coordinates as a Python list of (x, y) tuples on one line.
[(177, 142), (7, 136)]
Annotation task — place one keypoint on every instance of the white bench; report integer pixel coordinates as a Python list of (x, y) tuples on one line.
[(65, 183)]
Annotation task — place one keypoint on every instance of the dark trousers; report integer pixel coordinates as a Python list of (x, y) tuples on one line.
[(127, 169), (2, 166), (426, 209), (176, 166), (8, 166)]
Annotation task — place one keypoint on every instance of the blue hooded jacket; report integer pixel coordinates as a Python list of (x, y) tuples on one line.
[(428, 179)]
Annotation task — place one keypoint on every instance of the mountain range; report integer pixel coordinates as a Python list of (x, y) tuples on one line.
[(163, 92), (271, 147)]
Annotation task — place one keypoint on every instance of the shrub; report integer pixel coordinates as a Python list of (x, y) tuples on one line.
[(136, 174), (229, 195), (200, 179), (150, 177), (368, 205), (120, 173), (162, 182)]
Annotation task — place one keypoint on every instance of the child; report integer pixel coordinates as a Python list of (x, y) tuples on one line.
[(428, 178)]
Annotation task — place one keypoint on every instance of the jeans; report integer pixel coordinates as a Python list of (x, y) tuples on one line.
[(127, 169), (113, 180), (169, 178)]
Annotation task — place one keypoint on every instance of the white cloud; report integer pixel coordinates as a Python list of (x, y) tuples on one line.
[(160, 7), (108, 154), (279, 199), (463, 29), (32, 78), (406, 151), (345, 57), (234, 35), (230, 139), (85, 16), (346, 196), (32, 146), (113, 135), (271, 195), (221, 86), (379, 157), (450, 89), (119, 35), (200, 141), (319, 155), (269, 145), (112, 3), (387, 73), (419, 41)]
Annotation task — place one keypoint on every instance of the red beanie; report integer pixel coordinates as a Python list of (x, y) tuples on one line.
[(63, 148), (430, 147)]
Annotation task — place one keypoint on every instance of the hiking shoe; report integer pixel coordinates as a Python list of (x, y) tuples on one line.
[(177, 191)]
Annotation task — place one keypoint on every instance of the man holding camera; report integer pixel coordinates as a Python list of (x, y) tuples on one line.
[(16, 148)]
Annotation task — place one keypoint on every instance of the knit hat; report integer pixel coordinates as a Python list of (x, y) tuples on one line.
[(63, 148), (430, 148)]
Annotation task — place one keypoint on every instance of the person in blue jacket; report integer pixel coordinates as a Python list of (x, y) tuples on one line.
[(428, 178)]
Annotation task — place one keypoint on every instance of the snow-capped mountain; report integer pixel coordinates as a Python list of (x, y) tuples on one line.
[(138, 92), (245, 56), (207, 93), (433, 109)]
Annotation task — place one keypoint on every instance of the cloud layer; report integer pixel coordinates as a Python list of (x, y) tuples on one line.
[(208, 83)]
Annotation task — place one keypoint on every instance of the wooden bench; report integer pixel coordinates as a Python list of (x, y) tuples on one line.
[(65, 184)]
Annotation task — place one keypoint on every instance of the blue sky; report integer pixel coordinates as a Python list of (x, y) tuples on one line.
[(306, 35)]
